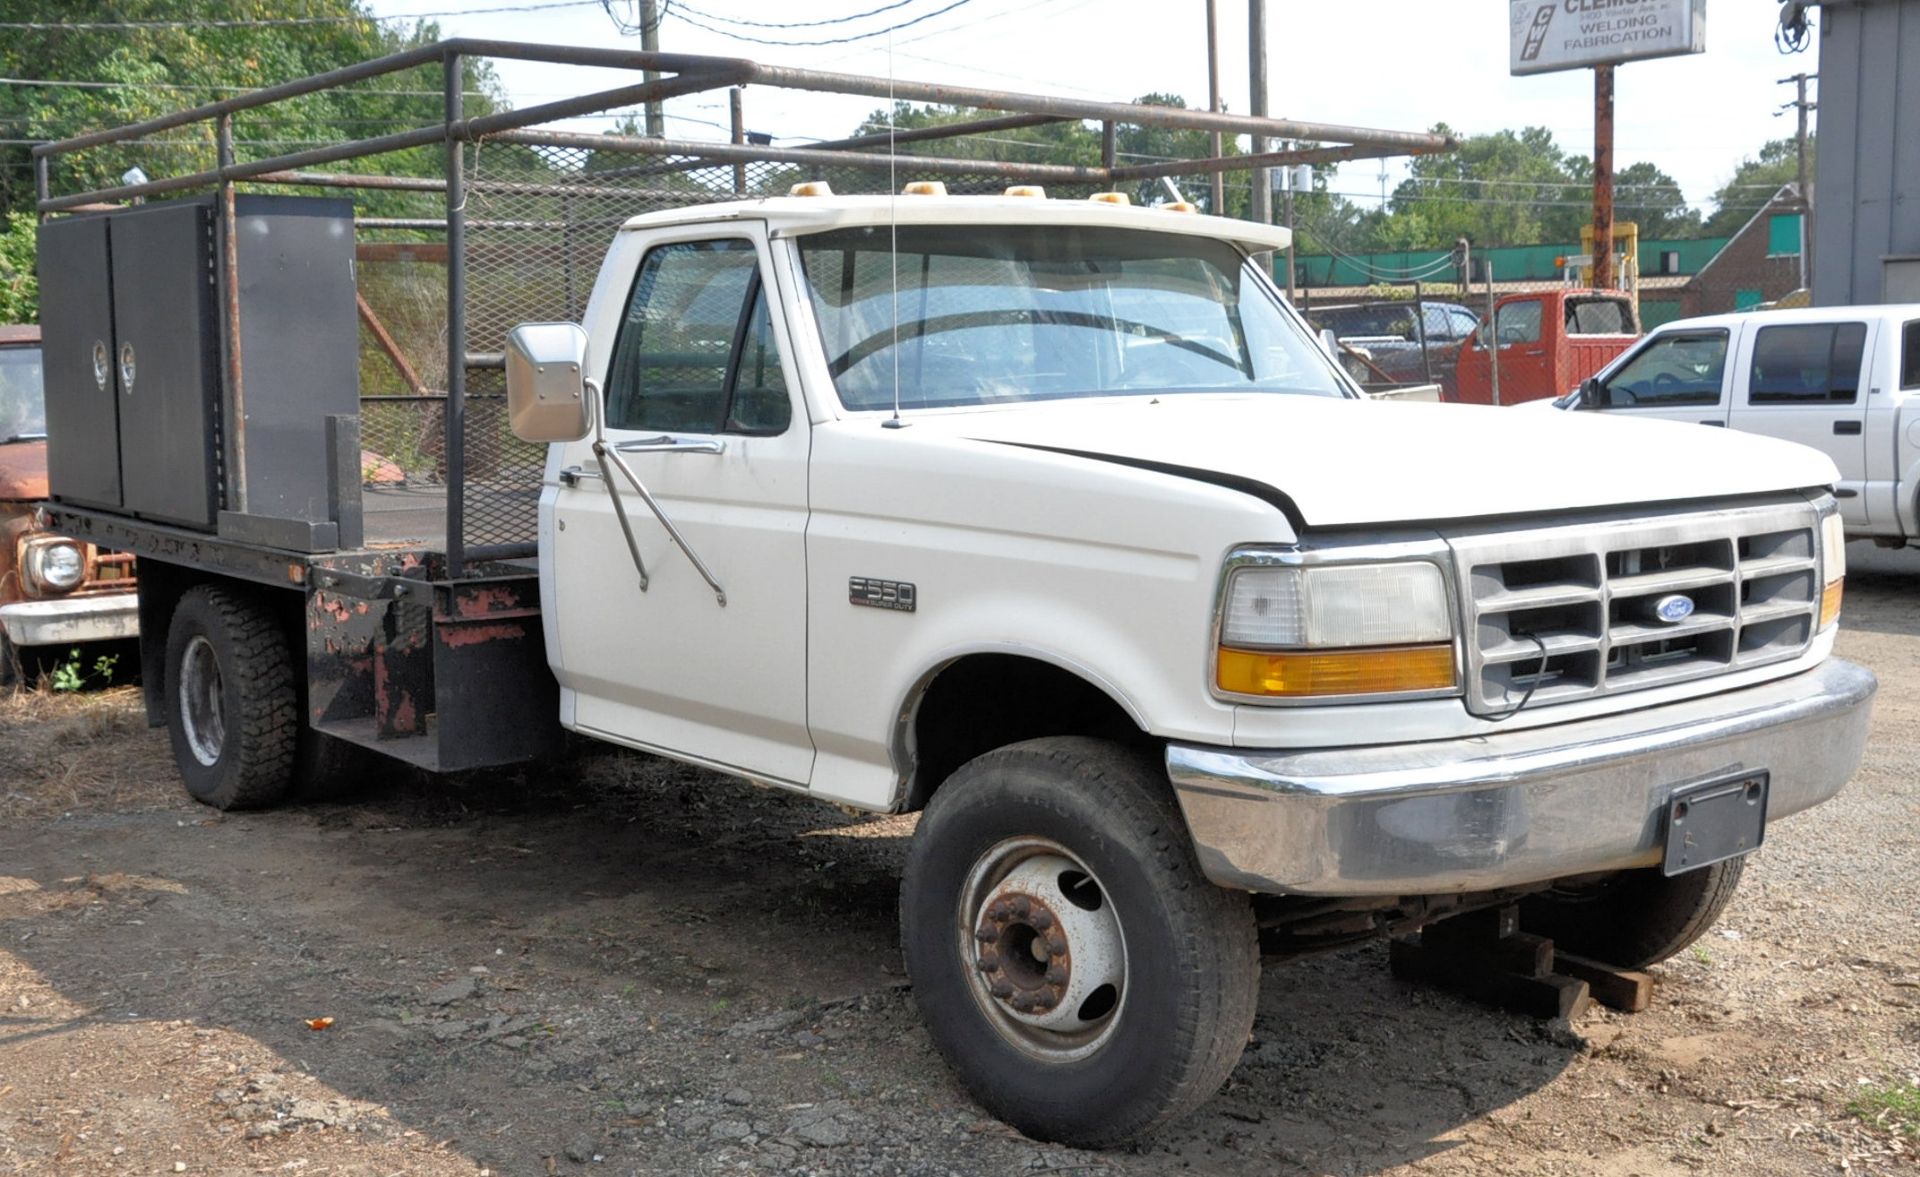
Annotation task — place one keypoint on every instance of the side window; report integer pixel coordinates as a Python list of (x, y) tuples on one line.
[(1461, 324), (760, 401), (1677, 369), (1910, 355), (1598, 316), (1807, 363), (1519, 322), (674, 358)]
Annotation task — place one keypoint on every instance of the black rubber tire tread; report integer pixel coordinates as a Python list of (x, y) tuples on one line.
[(255, 769), (1639, 917), (1193, 948), (10, 665)]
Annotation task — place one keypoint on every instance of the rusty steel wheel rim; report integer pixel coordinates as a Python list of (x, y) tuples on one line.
[(203, 718), (1043, 948)]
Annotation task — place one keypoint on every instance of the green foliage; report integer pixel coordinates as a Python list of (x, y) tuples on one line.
[(152, 71), (1893, 1106), (1753, 184), (72, 674), (19, 284)]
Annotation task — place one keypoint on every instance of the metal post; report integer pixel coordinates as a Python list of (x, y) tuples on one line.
[(1290, 251), (1219, 206), (1261, 208), (1602, 268), (1109, 145), (736, 109), (42, 181), (650, 41), (1420, 325), (454, 71), (236, 418), (1803, 174), (1493, 332)]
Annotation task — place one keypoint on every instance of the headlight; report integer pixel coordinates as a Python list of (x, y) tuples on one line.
[(1328, 630), (1833, 566), (56, 566)]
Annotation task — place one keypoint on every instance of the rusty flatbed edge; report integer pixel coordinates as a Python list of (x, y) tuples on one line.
[(374, 572)]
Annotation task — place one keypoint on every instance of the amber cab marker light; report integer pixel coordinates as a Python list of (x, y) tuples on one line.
[(1830, 602), (1300, 674)]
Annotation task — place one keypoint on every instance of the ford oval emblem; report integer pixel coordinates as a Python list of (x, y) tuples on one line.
[(1673, 609)]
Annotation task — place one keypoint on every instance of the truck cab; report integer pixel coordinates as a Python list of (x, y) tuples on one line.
[(55, 592), (1540, 344), (1844, 380)]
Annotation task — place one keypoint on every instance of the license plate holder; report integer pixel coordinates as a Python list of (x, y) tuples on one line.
[(1715, 820)]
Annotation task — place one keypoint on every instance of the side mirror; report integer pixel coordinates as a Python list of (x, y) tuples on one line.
[(1329, 342), (546, 382), (1590, 394)]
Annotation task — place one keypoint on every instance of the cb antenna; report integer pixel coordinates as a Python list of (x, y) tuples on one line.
[(893, 235)]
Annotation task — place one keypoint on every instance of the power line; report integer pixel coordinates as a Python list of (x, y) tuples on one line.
[(681, 14), (797, 24), (279, 22)]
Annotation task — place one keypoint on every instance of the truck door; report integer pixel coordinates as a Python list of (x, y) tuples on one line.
[(1526, 362), (1674, 375), (1802, 382), (698, 403)]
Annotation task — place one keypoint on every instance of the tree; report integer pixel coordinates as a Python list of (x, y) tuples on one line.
[(1648, 197), (137, 73), (1753, 184), (19, 285)]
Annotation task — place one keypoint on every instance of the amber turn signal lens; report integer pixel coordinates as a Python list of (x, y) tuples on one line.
[(1309, 673), (1830, 603)]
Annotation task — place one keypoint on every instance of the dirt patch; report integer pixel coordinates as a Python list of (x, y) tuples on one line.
[(631, 967)]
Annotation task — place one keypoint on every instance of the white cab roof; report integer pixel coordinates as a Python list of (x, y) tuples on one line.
[(1899, 312), (788, 216)]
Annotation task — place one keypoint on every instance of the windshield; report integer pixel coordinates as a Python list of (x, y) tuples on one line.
[(23, 409), (993, 314)]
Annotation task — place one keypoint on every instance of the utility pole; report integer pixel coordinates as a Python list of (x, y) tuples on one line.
[(1262, 207), (1803, 176), (1219, 206), (650, 41), (1602, 176)]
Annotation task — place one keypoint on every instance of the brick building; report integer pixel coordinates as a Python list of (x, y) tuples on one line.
[(1763, 262)]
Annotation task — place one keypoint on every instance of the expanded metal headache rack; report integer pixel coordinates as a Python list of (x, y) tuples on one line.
[(497, 219)]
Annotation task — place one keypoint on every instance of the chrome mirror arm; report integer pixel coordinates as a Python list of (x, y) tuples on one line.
[(609, 460)]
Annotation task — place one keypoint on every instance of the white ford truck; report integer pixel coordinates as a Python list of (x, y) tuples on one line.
[(1050, 519), (1843, 380)]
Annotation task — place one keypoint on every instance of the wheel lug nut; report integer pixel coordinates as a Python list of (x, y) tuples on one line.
[(1020, 906), (1043, 919), (1056, 975), (987, 934), (1001, 989), (1057, 944)]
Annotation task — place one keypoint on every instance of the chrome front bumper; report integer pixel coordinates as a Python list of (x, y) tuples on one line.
[(1514, 807), (72, 619)]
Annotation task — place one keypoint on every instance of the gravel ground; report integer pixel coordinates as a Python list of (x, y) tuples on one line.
[(631, 967)]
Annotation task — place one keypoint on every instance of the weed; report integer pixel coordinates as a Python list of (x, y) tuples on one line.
[(1701, 954), (71, 674), (1893, 1106)]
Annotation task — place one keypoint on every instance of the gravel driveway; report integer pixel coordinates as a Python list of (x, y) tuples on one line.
[(630, 967)]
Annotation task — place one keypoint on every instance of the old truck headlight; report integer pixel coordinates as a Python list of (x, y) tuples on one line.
[(1833, 567), (56, 566), (1327, 630)]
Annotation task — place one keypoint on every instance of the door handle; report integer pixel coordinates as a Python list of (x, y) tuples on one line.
[(1710, 421), (665, 444), (572, 475), (1847, 428)]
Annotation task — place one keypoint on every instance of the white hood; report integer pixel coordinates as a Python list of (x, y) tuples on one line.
[(1347, 462)]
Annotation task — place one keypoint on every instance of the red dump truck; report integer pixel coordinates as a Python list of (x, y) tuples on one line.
[(1548, 341)]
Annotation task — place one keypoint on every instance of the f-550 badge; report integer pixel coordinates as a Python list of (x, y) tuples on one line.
[(898, 595)]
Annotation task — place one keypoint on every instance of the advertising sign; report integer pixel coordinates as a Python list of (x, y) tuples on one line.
[(1548, 35)]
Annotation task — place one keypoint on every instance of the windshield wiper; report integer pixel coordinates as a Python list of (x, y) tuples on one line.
[(24, 437)]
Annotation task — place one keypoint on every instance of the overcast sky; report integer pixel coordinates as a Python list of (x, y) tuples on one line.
[(1402, 64)]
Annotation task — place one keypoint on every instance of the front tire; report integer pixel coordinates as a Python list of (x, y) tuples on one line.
[(1082, 977), (1635, 918), (232, 710)]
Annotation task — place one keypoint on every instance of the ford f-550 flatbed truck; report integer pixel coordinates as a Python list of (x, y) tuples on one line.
[(1042, 515)]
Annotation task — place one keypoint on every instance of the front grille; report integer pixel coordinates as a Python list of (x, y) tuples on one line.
[(1568, 611)]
